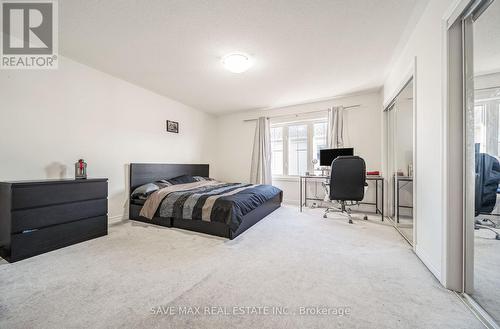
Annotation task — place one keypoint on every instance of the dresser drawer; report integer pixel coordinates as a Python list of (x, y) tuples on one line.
[(40, 241), (30, 196), (33, 218)]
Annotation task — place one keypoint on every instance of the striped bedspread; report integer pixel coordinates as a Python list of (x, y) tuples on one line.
[(208, 201)]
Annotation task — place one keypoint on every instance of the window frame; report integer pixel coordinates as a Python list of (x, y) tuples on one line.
[(310, 142), (487, 106), (284, 152)]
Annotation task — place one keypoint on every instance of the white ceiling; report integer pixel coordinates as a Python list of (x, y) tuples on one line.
[(487, 41), (303, 49)]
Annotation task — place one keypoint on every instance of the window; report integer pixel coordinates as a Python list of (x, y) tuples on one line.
[(295, 144), (480, 127), (277, 150), (319, 139), (487, 126), (297, 149)]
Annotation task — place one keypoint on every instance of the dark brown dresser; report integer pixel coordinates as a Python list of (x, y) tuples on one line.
[(40, 216)]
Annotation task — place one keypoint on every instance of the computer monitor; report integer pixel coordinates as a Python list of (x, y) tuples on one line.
[(327, 156)]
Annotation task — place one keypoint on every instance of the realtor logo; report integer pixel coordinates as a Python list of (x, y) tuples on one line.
[(29, 35)]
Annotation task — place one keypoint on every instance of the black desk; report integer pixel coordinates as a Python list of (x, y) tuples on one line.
[(378, 179)]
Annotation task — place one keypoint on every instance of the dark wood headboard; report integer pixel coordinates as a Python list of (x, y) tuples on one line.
[(143, 173)]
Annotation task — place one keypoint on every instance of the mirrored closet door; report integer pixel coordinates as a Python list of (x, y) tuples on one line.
[(482, 149), (399, 161)]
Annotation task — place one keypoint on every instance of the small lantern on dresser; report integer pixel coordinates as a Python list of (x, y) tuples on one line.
[(81, 169)]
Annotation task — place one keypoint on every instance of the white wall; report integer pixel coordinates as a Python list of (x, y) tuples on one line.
[(50, 119), (235, 137), (426, 44)]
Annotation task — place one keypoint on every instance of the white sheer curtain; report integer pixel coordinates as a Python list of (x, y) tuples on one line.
[(336, 130), (260, 172)]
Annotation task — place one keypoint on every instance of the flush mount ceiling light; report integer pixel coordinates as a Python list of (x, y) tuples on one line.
[(237, 62)]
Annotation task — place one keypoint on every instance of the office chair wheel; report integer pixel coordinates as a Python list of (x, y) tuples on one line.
[(350, 221), (365, 217), (324, 216)]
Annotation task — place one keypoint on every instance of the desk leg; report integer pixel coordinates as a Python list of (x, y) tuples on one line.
[(397, 201), (305, 192), (300, 192), (376, 197), (393, 213), (383, 199)]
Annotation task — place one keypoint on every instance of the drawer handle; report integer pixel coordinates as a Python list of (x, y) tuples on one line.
[(29, 231)]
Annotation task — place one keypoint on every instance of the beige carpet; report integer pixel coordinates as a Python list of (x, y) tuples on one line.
[(288, 261), (487, 270)]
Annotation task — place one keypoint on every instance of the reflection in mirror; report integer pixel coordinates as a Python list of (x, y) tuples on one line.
[(486, 46)]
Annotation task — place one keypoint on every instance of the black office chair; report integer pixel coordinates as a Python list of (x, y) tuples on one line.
[(347, 184), (487, 180)]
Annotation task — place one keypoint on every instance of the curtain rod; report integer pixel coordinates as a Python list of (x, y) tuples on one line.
[(297, 114)]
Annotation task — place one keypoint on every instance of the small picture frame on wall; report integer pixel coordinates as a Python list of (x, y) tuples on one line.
[(172, 126)]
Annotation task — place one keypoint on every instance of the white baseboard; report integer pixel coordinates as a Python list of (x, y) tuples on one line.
[(115, 219), (291, 202), (424, 257)]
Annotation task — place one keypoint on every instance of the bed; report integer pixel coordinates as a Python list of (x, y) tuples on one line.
[(223, 209)]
